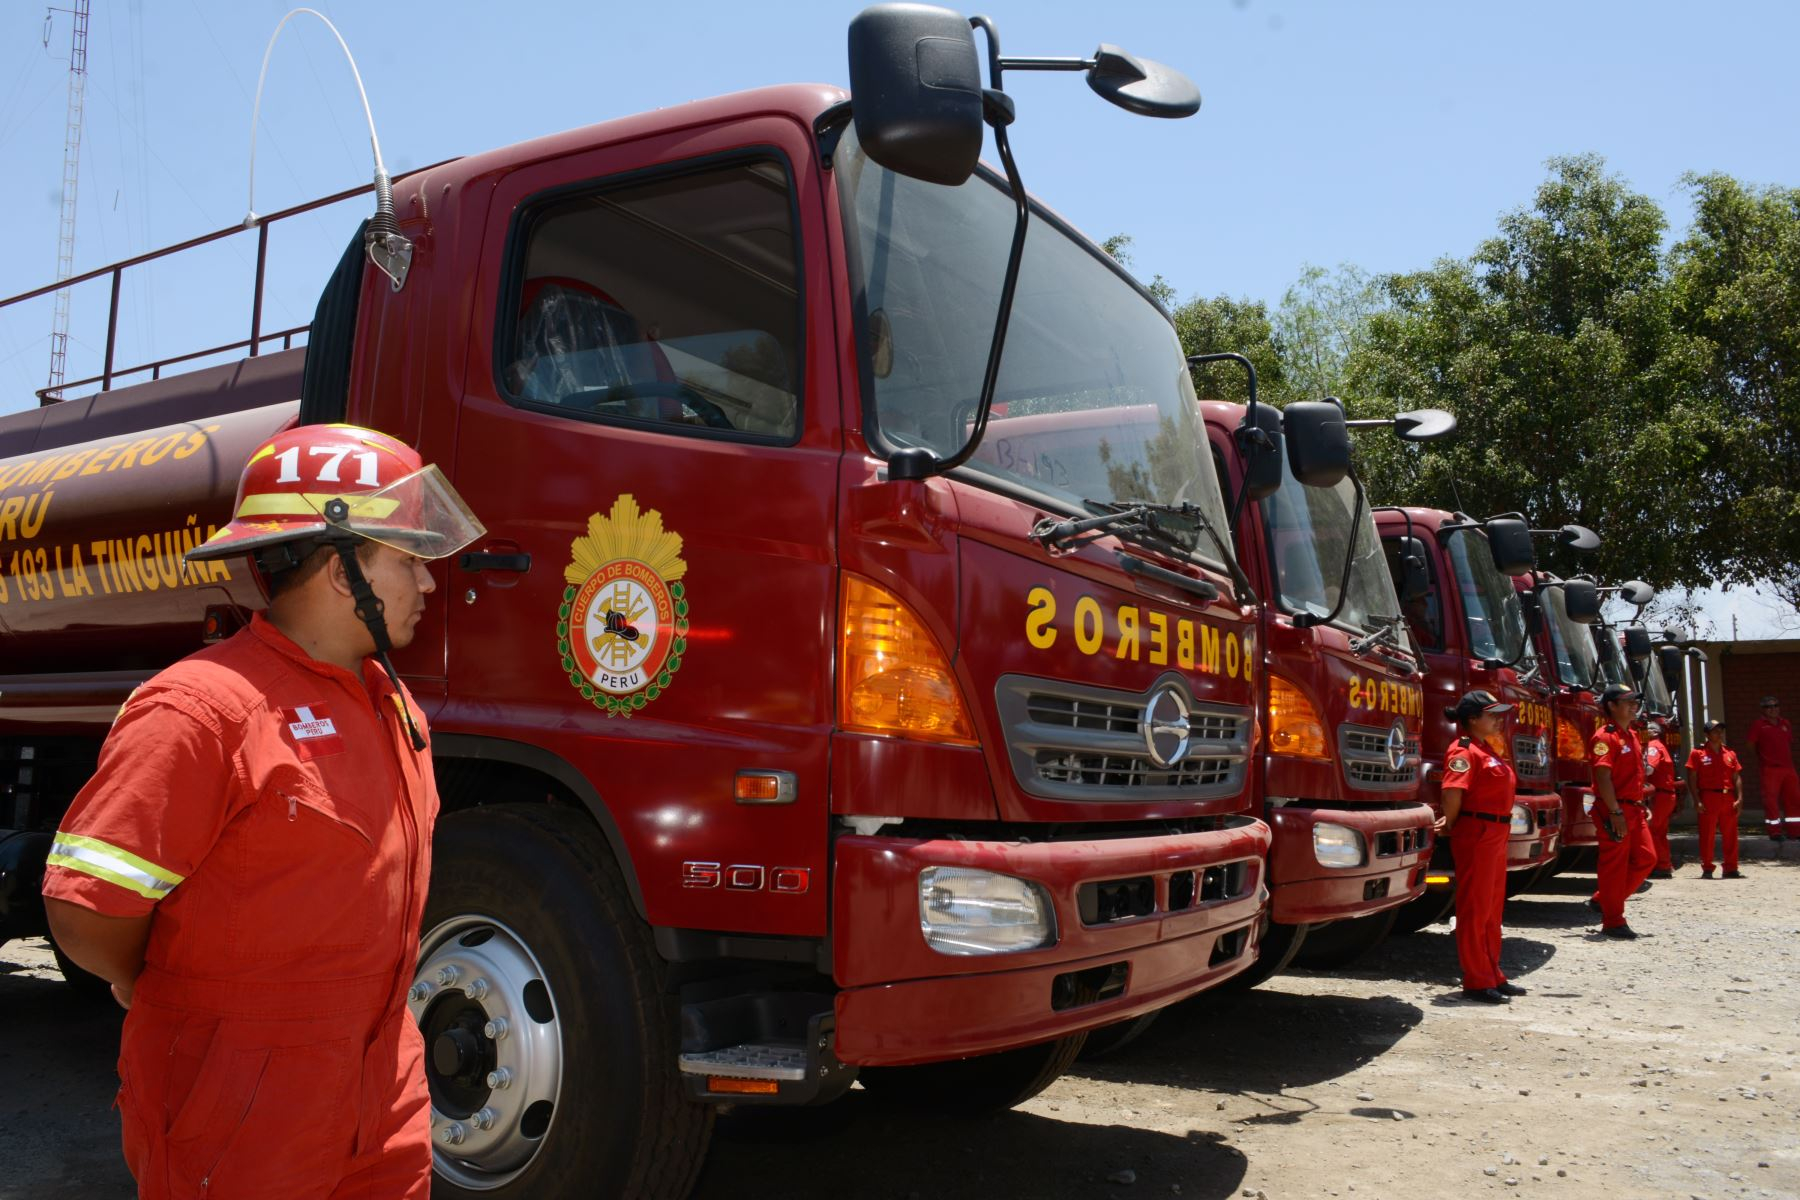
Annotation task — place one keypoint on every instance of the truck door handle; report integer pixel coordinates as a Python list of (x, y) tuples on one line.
[(482, 561)]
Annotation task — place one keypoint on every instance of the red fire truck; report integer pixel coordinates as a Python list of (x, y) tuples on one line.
[(1454, 576), (1342, 697), (1572, 667), (924, 762)]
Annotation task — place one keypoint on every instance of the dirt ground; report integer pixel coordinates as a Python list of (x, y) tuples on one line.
[(1665, 1067)]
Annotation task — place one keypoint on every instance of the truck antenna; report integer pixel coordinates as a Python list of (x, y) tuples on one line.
[(391, 253)]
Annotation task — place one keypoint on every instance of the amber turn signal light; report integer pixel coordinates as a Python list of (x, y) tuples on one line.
[(893, 678), (1294, 725)]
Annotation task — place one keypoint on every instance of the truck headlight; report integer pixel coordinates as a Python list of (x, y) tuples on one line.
[(967, 911), (1337, 845), (1521, 819)]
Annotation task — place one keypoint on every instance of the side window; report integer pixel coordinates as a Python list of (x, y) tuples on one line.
[(670, 301), (1425, 614)]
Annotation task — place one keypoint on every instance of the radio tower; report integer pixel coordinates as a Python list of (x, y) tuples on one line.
[(65, 242)]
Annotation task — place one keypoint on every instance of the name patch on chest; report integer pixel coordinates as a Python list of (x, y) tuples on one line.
[(313, 732)]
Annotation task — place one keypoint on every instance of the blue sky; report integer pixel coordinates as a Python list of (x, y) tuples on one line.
[(1383, 134)]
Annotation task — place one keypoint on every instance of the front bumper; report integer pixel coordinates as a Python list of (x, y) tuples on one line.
[(901, 1002), (1528, 850), (1578, 820), (1398, 844)]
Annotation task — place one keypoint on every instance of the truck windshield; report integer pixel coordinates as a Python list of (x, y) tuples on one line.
[(1093, 404), (1612, 657), (1656, 692), (1576, 665), (1492, 614), (1309, 529)]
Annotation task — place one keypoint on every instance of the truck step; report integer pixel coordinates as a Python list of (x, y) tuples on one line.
[(780, 1061)]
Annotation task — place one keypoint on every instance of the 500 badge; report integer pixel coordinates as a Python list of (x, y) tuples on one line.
[(622, 627)]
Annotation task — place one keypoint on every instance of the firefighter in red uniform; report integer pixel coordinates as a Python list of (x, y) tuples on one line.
[(1626, 852), (1772, 738), (1716, 783), (1659, 771), (1478, 792), (248, 865)]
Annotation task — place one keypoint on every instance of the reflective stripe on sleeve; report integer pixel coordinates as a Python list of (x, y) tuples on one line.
[(91, 856)]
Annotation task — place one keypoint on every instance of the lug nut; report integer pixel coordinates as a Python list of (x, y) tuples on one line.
[(477, 989), (417, 993), (447, 975), (495, 1029), (499, 1079), (454, 1133), (484, 1119)]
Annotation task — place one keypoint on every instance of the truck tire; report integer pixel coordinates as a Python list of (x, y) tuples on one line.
[(527, 900), (1427, 909), (1110, 1039), (1343, 942), (971, 1086), (1276, 946), (1520, 882)]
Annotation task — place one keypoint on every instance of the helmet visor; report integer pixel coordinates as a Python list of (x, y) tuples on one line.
[(421, 515)]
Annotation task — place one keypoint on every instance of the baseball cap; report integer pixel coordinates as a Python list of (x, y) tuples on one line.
[(1768, 702), (1474, 703), (1617, 691), (1713, 724)]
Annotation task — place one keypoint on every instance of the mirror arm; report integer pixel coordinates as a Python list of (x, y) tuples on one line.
[(1248, 433), (1307, 620), (996, 107), (1035, 64)]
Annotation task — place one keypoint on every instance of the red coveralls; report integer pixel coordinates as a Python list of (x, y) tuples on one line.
[(1478, 846), (1626, 863), (270, 811), (1659, 764), (1773, 742), (1715, 777)]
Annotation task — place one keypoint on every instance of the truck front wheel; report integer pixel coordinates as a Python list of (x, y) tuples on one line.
[(1343, 942), (550, 1042), (969, 1086), (1276, 946)]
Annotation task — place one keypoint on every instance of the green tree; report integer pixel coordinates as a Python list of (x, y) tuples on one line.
[(1736, 285), (1577, 397), (1324, 319)]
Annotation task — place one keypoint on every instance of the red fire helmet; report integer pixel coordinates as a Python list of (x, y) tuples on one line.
[(306, 483)]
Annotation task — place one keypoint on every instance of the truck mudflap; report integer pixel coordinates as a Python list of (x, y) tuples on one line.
[(1578, 816), (1396, 846), (1538, 845), (1140, 923)]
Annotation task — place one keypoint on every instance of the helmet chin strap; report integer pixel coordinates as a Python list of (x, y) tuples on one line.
[(369, 609)]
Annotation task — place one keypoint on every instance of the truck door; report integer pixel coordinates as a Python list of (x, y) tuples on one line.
[(650, 432)]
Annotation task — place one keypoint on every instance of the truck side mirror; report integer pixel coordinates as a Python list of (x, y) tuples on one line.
[(915, 85), (1140, 85), (1668, 660), (1578, 537), (1415, 584), (1318, 442), (1581, 600), (1424, 425), (1259, 445), (1636, 593), (1637, 642), (1509, 541)]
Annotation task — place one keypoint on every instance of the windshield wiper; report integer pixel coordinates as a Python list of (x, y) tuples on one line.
[(1385, 634), (1136, 520)]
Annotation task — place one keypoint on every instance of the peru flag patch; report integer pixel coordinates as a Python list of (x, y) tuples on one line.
[(313, 730)]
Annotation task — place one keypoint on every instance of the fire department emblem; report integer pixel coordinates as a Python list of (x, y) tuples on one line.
[(622, 628)]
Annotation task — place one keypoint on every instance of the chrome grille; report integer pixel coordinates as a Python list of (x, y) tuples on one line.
[(1364, 753), (1071, 741), (1531, 756)]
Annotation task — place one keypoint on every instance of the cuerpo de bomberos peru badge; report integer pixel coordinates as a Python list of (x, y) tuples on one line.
[(622, 628)]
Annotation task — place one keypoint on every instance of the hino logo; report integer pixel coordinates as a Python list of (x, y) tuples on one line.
[(1396, 747), (1166, 728)]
